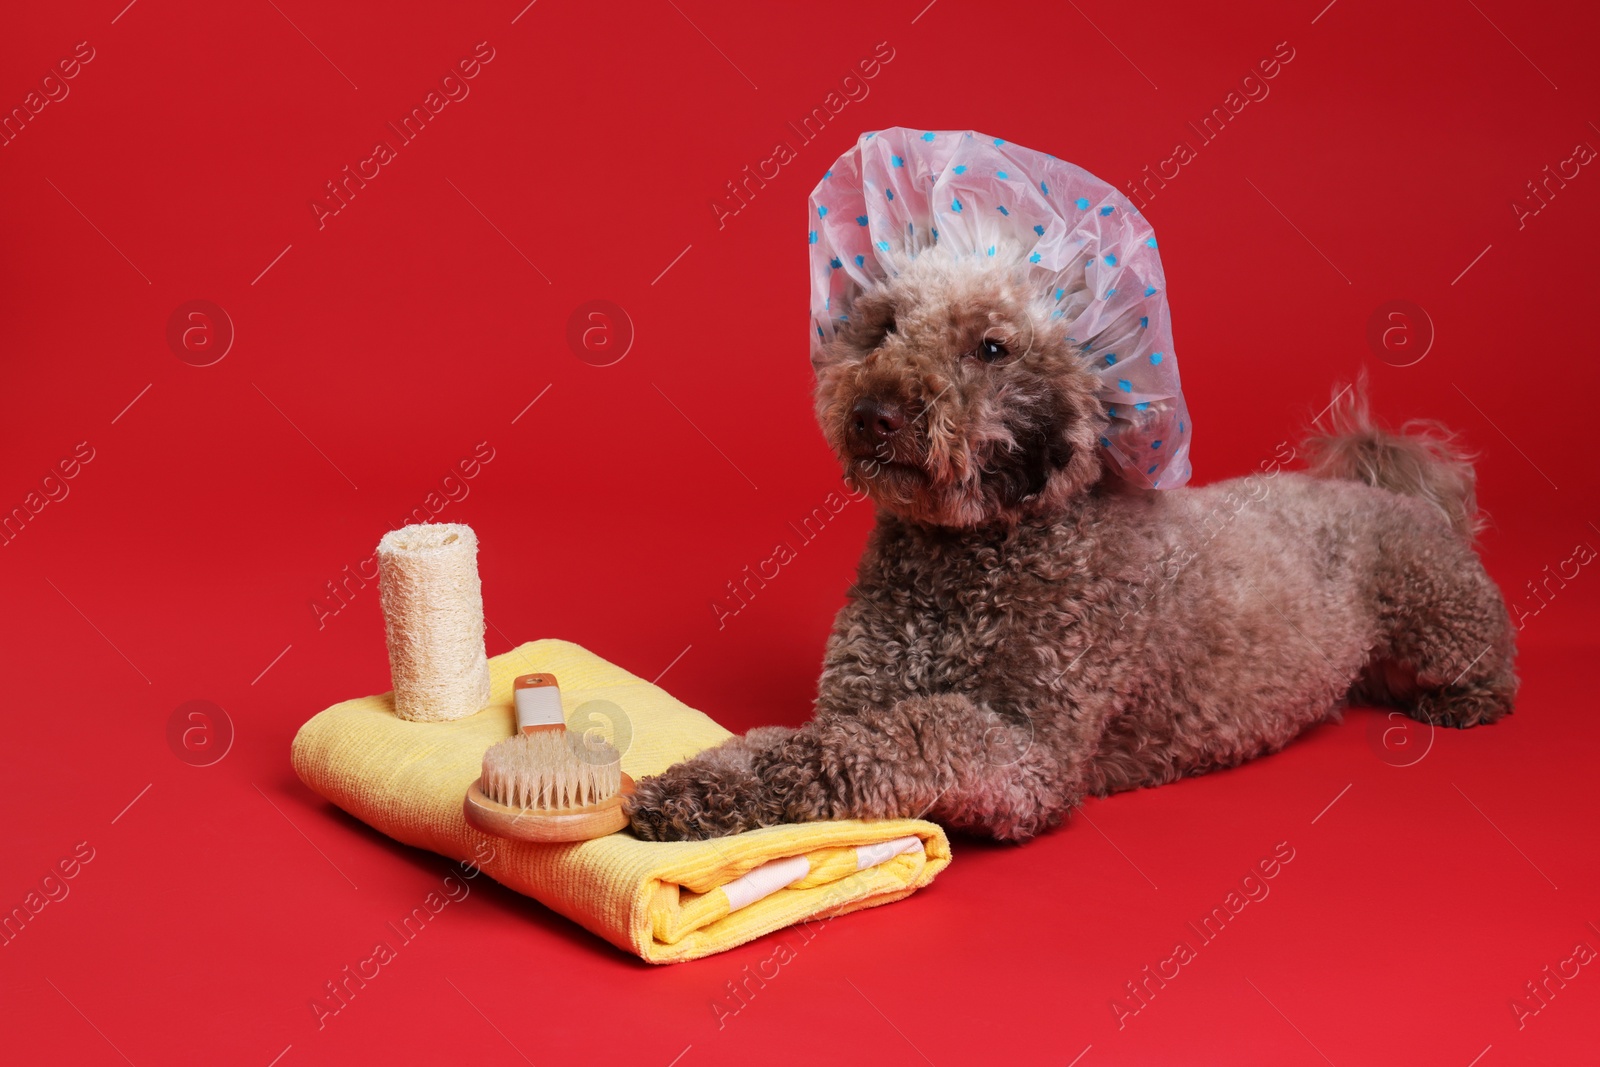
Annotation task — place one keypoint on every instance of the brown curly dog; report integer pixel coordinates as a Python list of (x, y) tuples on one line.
[(1025, 631)]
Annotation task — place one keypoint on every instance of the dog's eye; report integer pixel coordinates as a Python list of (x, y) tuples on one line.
[(992, 351), (889, 326)]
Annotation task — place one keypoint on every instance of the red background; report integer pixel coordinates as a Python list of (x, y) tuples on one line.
[(423, 318)]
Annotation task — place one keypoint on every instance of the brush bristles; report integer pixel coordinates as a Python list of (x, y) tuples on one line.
[(550, 771)]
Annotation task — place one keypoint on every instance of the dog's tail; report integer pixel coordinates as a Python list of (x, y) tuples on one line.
[(1424, 459)]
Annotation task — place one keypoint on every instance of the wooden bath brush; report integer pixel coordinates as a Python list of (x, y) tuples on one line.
[(545, 783)]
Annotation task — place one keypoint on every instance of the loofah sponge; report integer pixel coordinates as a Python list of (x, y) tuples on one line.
[(433, 619)]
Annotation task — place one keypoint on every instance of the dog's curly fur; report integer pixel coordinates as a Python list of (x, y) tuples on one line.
[(1027, 629)]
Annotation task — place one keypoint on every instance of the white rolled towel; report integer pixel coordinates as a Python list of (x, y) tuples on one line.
[(433, 619)]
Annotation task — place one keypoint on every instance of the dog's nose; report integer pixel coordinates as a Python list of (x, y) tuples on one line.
[(874, 419)]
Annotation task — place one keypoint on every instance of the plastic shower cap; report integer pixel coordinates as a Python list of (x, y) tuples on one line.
[(898, 192)]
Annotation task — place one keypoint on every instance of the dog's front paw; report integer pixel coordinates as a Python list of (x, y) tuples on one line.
[(694, 801)]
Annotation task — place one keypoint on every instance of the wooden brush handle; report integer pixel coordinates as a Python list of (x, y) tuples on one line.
[(537, 698)]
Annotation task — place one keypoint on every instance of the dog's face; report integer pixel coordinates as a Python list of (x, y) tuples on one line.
[(952, 398)]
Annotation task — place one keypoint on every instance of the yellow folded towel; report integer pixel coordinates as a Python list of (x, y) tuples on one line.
[(663, 901)]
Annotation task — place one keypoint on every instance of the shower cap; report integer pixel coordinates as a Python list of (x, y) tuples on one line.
[(898, 192)]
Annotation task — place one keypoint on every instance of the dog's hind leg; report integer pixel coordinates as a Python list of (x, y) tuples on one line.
[(1448, 644), (1445, 641)]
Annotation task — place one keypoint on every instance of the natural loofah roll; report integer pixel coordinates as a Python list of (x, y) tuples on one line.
[(433, 618)]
